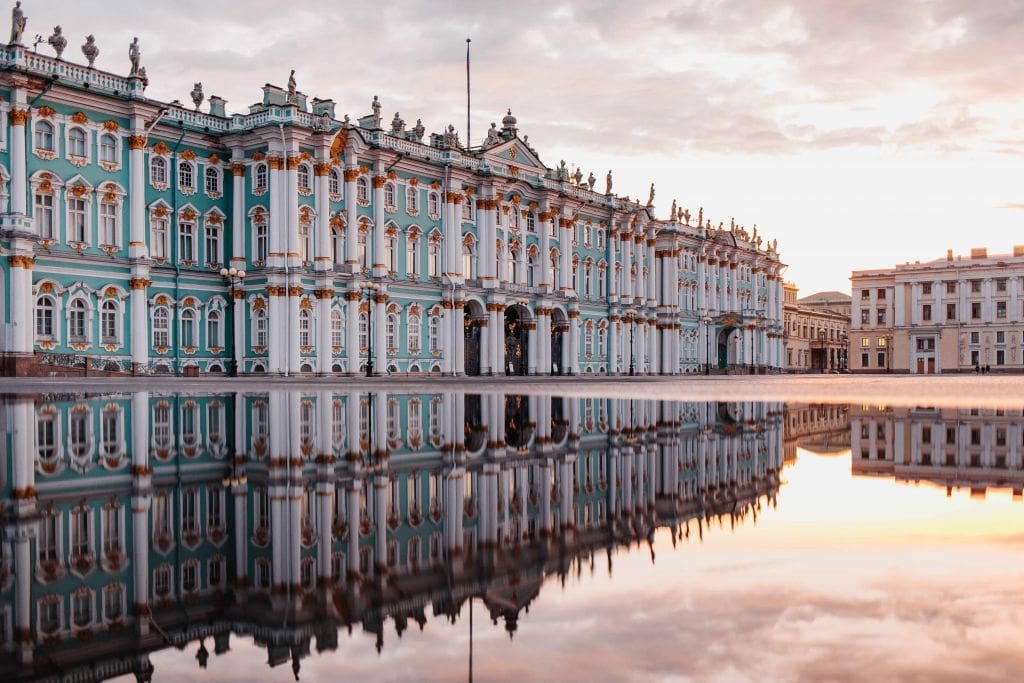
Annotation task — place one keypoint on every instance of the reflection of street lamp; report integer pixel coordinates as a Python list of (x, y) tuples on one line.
[(369, 288), (707, 339), (234, 276), (632, 324)]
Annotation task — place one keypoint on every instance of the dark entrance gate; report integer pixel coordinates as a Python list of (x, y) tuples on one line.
[(516, 358), (473, 332)]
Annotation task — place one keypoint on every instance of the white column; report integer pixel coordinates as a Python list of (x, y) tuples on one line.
[(322, 323), (380, 268), (352, 333), (291, 200), (544, 226), (380, 351), (18, 118), (237, 210), (459, 337), (291, 333), (613, 345), (351, 220)]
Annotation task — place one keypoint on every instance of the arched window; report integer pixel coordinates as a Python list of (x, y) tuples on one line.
[(259, 326), (468, 260), (364, 252), (158, 171), (364, 330), (186, 175), (513, 217), (602, 339), (212, 176), (305, 327), (362, 189), (601, 287), (434, 333), (108, 149), (337, 329), (391, 332), (78, 321), (304, 250), (531, 222), (188, 328), (161, 327), (109, 327), (214, 330), (259, 255), (44, 136), (76, 142), (334, 182), (588, 278), (413, 333), (259, 178), (303, 174), (338, 243), (513, 276), (531, 269), (45, 308), (588, 339), (412, 200), (553, 268), (434, 204), (389, 195), (467, 208)]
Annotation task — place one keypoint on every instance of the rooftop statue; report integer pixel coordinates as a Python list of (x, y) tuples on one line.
[(578, 176), (562, 173), (591, 180), (608, 182), (134, 54), (700, 216), (291, 86), (775, 245), (57, 41), (492, 135), (18, 21), (376, 107), (397, 123), (90, 50), (419, 129), (672, 213), (650, 198), (197, 94), (686, 216)]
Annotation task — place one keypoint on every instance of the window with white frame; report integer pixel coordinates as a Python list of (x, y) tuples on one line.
[(467, 208), (259, 178), (304, 247), (77, 143), (81, 533), (108, 149), (44, 137), (434, 333), (158, 237), (214, 330), (113, 602), (260, 247), (161, 327), (413, 332), (186, 175), (334, 182), (412, 200), (303, 177), (215, 419), (434, 258), (259, 325), (601, 286), (45, 226), (362, 189), (189, 331), (337, 329), (211, 178), (46, 308), (412, 259), (213, 244), (108, 224), (390, 257), (391, 336), (305, 328), (162, 429), (364, 330), (389, 195), (158, 171), (186, 241), (434, 204), (46, 437), (338, 243), (110, 328), (468, 260), (78, 220), (110, 434), (78, 320)]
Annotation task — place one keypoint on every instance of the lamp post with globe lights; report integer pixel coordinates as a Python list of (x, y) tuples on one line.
[(235, 278)]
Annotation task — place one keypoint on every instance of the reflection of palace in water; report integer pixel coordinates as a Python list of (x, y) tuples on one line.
[(820, 428), (137, 522), (977, 449)]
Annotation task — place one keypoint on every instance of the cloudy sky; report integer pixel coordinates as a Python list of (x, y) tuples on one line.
[(860, 134)]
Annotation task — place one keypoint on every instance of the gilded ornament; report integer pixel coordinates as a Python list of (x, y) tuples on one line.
[(188, 155), (45, 111), (19, 117), (161, 148)]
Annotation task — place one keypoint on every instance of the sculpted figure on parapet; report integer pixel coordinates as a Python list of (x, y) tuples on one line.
[(18, 21)]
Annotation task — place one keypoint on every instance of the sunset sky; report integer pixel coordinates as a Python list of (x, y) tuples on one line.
[(859, 134)]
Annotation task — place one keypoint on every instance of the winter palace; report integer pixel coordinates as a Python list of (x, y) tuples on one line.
[(150, 237), (136, 522)]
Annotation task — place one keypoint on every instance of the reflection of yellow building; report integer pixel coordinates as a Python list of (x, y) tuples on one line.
[(819, 428), (977, 449), (135, 522)]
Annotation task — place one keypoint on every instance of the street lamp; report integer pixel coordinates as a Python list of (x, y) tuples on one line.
[(707, 339), (234, 277), (369, 288)]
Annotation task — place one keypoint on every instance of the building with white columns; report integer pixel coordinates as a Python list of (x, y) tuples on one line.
[(137, 521), (952, 314), (366, 245)]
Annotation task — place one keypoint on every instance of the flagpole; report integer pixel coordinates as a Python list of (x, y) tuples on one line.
[(469, 138)]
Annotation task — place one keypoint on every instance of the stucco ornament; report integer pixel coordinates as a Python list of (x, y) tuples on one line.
[(18, 21), (90, 50), (197, 94), (57, 41)]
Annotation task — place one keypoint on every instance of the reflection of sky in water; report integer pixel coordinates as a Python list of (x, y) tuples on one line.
[(850, 579)]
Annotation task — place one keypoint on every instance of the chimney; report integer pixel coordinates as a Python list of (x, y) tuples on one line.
[(979, 252), (949, 254)]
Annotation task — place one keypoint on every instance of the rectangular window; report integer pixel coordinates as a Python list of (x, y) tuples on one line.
[(1000, 309), (1000, 337), (926, 288), (76, 220), (1000, 357), (158, 238), (865, 316), (865, 294), (187, 242), (880, 343), (880, 313), (926, 313), (975, 310), (975, 337), (108, 224), (44, 215), (865, 360), (865, 342), (950, 288), (1001, 285), (881, 295), (212, 244), (881, 359), (950, 311), (975, 286)]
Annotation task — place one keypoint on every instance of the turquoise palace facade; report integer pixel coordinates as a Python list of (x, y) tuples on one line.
[(359, 241)]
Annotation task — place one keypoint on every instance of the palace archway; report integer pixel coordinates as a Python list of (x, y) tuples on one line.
[(516, 347), (559, 330), (473, 328)]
